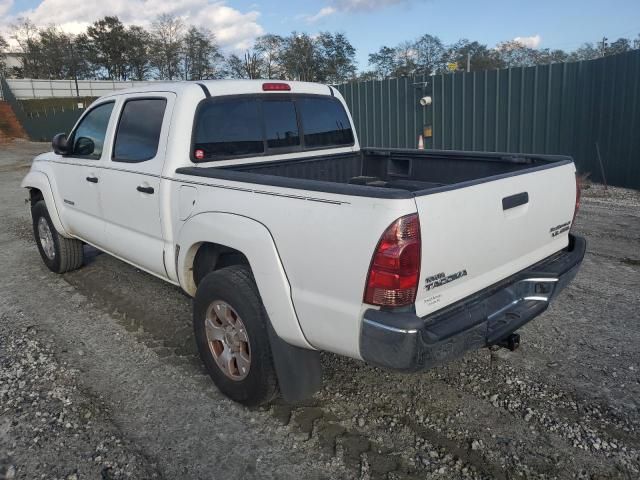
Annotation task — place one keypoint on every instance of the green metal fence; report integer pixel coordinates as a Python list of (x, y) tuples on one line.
[(43, 125), (564, 108)]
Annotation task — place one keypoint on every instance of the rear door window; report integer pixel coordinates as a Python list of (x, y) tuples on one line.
[(139, 129), (324, 122), (229, 128)]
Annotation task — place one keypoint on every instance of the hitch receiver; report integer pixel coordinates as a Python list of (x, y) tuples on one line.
[(510, 342)]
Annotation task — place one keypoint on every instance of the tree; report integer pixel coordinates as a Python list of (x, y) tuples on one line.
[(586, 52), (269, 47), (546, 56), (383, 62), (201, 55), (479, 55), (137, 52), (249, 66), (108, 41), (429, 55), (234, 67), (167, 43), (54, 48), (515, 54), (4, 46), (25, 34), (425, 55), (621, 45), (301, 59), (337, 57), (252, 64), (405, 59)]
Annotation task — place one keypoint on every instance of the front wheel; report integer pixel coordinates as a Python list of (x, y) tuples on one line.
[(59, 254), (230, 326)]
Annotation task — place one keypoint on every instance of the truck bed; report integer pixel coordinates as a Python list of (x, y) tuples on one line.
[(383, 173)]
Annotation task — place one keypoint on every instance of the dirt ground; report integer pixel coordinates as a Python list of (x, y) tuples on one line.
[(99, 379)]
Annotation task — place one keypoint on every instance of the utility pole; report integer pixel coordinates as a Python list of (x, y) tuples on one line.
[(604, 45), (468, 61), (74, 68)]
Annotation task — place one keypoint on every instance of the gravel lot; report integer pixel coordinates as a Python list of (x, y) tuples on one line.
[(99, 379)]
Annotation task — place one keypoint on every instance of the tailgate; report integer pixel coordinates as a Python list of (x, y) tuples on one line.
[(470, 240)]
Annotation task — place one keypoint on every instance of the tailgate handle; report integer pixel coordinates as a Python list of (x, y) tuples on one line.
[(515, 200)]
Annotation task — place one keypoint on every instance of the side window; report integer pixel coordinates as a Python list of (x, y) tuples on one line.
[(280, 123), (138, 132), (88, 137), (324, 122), (228, 128)]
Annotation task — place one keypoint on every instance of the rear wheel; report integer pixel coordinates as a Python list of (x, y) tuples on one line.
[(59, 254), (230, 326)]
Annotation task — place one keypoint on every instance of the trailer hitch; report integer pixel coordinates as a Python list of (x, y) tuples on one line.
[(510, 342)]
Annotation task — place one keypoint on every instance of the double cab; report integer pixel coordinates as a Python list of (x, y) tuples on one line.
[(256, 199)]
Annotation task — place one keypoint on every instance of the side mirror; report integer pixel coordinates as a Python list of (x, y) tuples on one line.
[(84, 146), (59, 144)]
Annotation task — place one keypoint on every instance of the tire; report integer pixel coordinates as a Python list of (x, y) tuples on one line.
[(235, 287), (59, 254)]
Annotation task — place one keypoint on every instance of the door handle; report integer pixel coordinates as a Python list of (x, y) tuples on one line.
[(142, 189), (516, 200), (92, 179)]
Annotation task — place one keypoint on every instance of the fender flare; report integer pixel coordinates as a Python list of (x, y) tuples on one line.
[(255, 241), (39, 180)]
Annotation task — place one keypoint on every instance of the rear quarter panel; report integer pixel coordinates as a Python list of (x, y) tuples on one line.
[(325, 243)]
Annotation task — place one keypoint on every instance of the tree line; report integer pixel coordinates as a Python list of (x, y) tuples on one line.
[(429, 55), (172, 50)]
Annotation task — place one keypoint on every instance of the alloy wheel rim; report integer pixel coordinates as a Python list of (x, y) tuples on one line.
[(228, 340), (46, 238)]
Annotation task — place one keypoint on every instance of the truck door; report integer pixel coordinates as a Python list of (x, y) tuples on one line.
[(132, 186), (79, 173)]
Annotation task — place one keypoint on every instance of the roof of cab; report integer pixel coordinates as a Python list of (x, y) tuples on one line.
[(228, 87)]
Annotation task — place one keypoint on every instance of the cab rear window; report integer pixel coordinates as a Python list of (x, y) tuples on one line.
[(242, 126), (229, 128)]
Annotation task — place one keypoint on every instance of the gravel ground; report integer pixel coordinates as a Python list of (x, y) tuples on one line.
[(99, 379)]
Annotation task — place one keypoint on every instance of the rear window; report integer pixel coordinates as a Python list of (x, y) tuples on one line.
[(281, 125), (229, 128), (270, 124), (325, 123)]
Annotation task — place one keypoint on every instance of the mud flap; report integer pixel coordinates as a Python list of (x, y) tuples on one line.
[(298, 369)]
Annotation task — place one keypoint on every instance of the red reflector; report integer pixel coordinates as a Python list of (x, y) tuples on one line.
[(198, 154), (395, 267), (269, 87)]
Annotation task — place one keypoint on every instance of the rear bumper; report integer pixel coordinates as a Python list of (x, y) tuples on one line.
[(406, 342)]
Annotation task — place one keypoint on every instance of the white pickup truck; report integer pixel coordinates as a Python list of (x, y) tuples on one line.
[(255, 198)]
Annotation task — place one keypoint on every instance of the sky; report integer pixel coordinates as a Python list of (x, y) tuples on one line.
[(368, 24)]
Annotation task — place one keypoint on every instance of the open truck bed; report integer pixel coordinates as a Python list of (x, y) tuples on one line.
[(383, 173)]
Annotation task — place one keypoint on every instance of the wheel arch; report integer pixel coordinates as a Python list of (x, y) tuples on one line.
[(40, 189), (223, 233)]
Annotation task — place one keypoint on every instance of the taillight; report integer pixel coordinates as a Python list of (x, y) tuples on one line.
[(275, 86), (395, 266), (577, 207)]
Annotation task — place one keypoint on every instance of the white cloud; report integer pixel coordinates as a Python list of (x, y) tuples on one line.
[(531, 42), (233, 29), (5, 6), (322, 13), (364, 5), (353, 6)]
